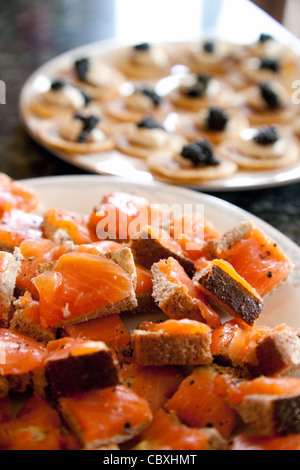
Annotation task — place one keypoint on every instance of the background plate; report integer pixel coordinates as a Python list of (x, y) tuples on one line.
[(117, 164)]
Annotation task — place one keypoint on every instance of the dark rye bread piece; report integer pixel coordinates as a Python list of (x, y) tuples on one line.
[(173, 299), (161, 348), (83, 371), (228, 295), (149, 248), (11, 383), (271, 414)]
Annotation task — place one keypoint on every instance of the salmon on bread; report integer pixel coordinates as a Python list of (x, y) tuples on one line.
[(172, 342), (75, 365), (178, 296), (104, 416), (228, 292), (83, 286), (254, 255)]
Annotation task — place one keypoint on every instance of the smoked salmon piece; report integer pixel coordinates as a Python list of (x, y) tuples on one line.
[(192, 231), (26, 319), (19, 357), (120, 216), (166, 432), (35, 253), (17, 226), (201, 400), (262, 350), (228, 292), (9, 267), (143, 287), (178, 296), (104, 416), (61, 225), (15, 195), (172, 342), (75, 365), (110, 330), (254, 255), (268, 404), (37, 426), (154, 244), (257, 442), (83, 286), (155, 384)]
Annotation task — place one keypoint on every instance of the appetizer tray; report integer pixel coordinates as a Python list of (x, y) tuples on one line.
[(150, 377), (66, 193), (112, 161)]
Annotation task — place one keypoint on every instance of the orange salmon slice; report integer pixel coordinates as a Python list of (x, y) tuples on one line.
[(263, 386), (120, 216), (19, 354), (74, 226), (80, 284), (113, 414), (17, 226), (34, 253), (15, 195), (156, 384), (37, 426), (201, 401), (166, 432), (109, 329)]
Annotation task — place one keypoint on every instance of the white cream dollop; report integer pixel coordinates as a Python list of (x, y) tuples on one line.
[(99, 74), (246, 145), (153, 56), (66, 96), (144, 137)]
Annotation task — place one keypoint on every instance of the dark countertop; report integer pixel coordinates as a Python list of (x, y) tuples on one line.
[(34, 31)]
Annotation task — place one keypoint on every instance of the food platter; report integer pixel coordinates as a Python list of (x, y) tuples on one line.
[(80, 193), (118, 164)]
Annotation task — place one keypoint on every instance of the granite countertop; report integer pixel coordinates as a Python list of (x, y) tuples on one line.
[(32, 32)]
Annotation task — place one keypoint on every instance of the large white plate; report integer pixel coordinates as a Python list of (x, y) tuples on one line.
[(81, 193), (117, 164)]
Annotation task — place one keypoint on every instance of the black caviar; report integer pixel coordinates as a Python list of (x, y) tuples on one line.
[(88, 125), (217, 119), (57, 85), (209, 46), (270, 96), (143, 46), (265, 37), (155, 97), (267, 135), (270, 64), (200, 153), (82, 67), (149, 122)]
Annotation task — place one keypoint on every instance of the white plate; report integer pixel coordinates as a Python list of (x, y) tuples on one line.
[(81, 193), (117, 164)]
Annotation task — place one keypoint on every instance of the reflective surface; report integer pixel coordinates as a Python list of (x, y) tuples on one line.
[(34, 31)]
